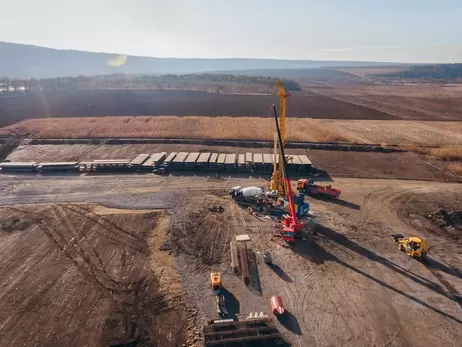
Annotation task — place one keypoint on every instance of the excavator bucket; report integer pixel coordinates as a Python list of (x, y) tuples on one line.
[(396, 237)]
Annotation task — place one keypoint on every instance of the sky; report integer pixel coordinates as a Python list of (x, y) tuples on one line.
[(360, 30)]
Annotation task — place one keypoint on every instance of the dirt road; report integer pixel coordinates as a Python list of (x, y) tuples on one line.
[(344, 283)]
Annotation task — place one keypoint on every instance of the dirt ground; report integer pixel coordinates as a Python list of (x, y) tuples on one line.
[(100, 103), (83, 275), (423, 133), (414, 102), (336, 163), (387, 132), (343, 283)]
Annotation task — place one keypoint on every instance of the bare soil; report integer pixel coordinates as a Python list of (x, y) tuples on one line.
[(425, 211), (336, 163), (79, 275), (102, 103), (388, 132), (414, 102), (400, 132), (344, 282)]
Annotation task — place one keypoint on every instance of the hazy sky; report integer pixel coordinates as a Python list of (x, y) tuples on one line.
[(368, 30)]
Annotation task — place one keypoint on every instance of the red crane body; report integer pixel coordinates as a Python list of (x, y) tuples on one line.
[(291, 222)]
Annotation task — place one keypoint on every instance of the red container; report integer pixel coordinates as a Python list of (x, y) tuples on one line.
[(276, 305)]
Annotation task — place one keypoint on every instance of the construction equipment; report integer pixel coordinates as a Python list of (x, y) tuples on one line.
[(160, 171), (267, 258), (221, 305), (291, 224), (415, 247), (301, 207), (215, 282), (277, 178), (252, 193), (308, 187), (276, 306)]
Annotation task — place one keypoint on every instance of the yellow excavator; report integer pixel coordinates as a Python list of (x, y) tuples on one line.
[(215, 283), (413, 246)]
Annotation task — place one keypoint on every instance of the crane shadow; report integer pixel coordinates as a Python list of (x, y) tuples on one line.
[(314, 252), (339, 202), (280, 272), (305, 246), (289, 322)]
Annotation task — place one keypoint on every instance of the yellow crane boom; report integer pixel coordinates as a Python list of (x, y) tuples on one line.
[(277, 179)]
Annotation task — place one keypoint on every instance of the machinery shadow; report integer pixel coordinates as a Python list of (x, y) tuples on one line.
[(342, 240), (317, 174), (339, 202), (232, 304), (255, 284), (434, 264), (280, 272), (289, 322), (306, 247)]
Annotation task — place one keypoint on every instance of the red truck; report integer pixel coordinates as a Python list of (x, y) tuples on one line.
[(308, 187)]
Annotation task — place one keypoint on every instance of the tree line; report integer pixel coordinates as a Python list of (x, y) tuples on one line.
[(8, 85)]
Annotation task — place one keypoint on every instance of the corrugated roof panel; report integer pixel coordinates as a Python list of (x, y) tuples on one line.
[(296, 160), (230, 159), (258, 158), (268, 158), (180, 157), (213, 158), (62, 163), (140, 159), (304, 159), (102, 161), (221, 158), (17, 163), (192, 157), (249, 157), (204, 158)]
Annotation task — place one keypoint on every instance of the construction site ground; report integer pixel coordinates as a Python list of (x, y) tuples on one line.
[(406, 165), (78, 271)]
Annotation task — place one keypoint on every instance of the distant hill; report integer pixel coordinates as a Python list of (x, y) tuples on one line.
[(25, 61), (434, 71)]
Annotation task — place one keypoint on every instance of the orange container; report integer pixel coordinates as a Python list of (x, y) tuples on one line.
[(276, 305)]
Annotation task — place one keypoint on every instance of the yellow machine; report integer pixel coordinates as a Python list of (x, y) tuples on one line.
[(277, 179), (215, 281), (414, 246)]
